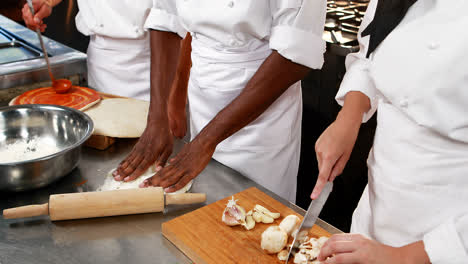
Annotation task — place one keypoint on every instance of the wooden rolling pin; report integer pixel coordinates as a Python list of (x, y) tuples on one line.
[(106, 203)]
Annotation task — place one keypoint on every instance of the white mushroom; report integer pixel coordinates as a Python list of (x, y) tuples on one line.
[(290, 223), (300, 258), (274, 239), (322, 241), (313, 242), (313, 253), (302, 236)]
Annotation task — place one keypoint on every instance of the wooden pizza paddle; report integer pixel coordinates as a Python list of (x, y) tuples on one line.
[(106, 203)]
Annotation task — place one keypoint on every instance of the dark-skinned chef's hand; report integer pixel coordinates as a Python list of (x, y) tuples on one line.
[(184, 167), (154, 147), (358, 249)]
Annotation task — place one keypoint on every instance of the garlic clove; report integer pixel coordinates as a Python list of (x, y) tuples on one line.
[(249, 212), (263, 210), (257, 216), (267, 220), (249, 222)]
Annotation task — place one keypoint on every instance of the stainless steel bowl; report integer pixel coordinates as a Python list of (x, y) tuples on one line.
[(65, 128)]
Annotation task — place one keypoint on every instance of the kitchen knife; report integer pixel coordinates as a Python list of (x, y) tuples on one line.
[(105, 203), (312, 214), (44, 50)]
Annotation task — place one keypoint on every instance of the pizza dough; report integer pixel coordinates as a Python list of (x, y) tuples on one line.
[(110, 184), (119, 117), (77, 97)]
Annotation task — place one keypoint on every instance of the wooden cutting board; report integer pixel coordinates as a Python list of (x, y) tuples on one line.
[(204, 238)]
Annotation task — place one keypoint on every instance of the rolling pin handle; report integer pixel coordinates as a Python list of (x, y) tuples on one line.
[(185, 198), (26, 211)]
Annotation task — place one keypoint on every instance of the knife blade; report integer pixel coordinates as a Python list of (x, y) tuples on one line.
[(44, 50), (312, 214)]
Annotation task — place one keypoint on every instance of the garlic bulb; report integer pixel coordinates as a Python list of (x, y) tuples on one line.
[(274, 239), (233, 214), (290, 223)]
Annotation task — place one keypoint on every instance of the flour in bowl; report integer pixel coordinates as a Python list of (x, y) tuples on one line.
[(27, 149)]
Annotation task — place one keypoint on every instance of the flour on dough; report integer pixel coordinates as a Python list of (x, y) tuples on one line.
[(110, 184)]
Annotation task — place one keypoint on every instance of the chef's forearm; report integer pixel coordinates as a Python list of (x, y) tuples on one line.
[(356, 104), (165, 48), (181, 79), (271, 80)]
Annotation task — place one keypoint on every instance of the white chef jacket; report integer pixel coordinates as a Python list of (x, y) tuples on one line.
[(417, 80), (231, 39), (118, 52)]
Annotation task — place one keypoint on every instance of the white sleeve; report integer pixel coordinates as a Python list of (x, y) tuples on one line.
[(448, 243), (297, 30), (164, 17), (357, 68)]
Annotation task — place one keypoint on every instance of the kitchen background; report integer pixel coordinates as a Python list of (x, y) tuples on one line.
[(319, 89)]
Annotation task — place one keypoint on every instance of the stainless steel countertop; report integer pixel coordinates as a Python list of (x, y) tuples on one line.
[(121, 239)]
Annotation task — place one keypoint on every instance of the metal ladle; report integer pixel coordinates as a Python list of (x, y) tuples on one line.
[(59, 85)]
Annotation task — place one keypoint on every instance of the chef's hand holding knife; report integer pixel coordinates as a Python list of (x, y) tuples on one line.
[(334, 146), (333, 150), (42, 9)]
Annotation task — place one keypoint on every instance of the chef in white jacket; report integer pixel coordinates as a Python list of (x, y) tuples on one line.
[(244, 94), (414, 208), (118, 52)]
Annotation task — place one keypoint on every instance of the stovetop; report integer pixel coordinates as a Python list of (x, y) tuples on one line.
[(342, 24)]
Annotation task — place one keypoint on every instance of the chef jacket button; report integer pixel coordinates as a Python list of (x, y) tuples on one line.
[(404, 103), (433, 46), (101, 25), (231, 4)]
